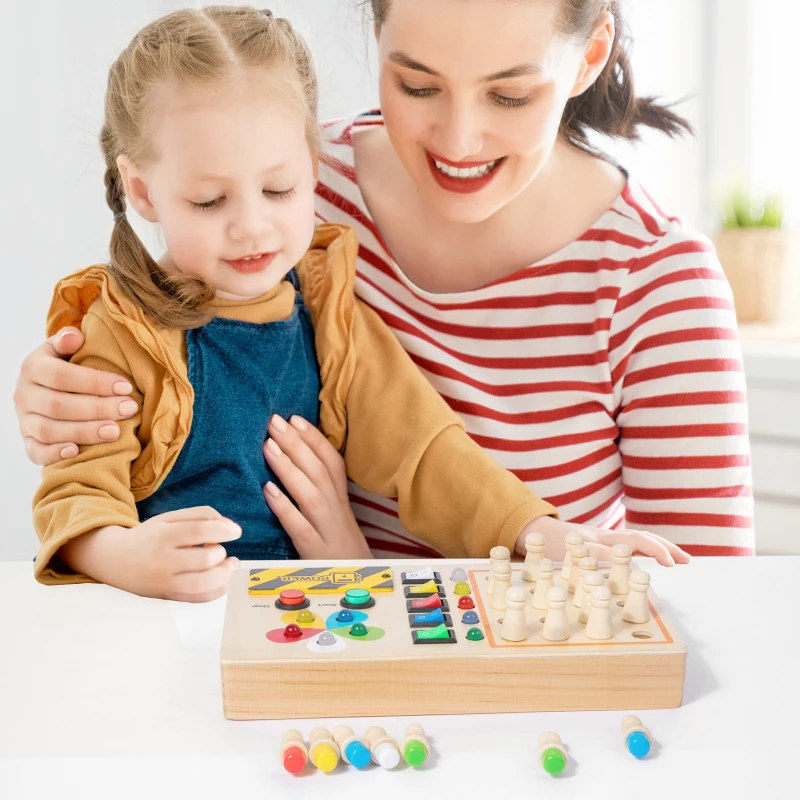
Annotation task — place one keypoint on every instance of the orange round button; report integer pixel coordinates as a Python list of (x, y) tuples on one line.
[(292, 597)]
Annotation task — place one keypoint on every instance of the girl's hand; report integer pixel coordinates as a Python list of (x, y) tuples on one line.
[(600, 542), (173, 556), (313, 473), (61, 405)]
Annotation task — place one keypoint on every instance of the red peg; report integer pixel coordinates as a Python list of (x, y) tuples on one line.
[(465, 602), (292, 631)]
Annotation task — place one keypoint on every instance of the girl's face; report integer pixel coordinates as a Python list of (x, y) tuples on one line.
[(472, 95), (232, 186)]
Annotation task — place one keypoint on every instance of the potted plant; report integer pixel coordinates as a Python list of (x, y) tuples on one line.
[(753, 248)]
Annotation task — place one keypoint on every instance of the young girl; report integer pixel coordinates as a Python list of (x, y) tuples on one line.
[(211, 131)]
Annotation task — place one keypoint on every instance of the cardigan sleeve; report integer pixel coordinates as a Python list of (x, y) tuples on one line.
[(403, 441)]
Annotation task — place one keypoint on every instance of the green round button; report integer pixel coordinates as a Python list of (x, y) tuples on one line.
[(553, 761), (359, 629), (415, 753), (357, 597), (474, 634)]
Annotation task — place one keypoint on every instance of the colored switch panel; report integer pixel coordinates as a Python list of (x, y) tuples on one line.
[(438, 635), (423, 589), (421, 576), (426, 603), (429, 620)]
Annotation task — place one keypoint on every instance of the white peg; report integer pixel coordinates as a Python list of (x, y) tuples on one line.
[(590, 582), (585, 566), (534, 552), (501, 572), (556, 628), (599, 624), (579, 552), (570, 541), (636, 608), (383, 748), (620, 568), (515, 626), (499, 553), (544, 583)]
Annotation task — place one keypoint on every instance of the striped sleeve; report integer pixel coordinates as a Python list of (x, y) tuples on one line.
[(679, 388)]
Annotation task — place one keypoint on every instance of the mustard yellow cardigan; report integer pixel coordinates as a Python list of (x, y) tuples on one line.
[(396, 434)]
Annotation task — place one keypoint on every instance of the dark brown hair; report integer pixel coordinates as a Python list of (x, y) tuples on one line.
[(186, 48), (610, 106)]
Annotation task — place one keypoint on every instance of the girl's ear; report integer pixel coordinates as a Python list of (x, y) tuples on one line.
[(136, 189), (596, 54)]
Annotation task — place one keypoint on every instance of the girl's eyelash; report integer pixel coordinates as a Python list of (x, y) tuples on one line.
[(279, 195), (272, 194), (502, 100), (208, 205)]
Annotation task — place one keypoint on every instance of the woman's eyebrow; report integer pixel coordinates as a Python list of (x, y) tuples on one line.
[(405, 60)]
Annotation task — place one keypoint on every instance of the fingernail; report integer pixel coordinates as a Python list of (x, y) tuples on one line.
[(272, 446), (108, 432), (299, 423), (69, 452), (278, 423), (236, 526), (63, 335), (122, 387), (128, 408), (234, 563), (273, 489)]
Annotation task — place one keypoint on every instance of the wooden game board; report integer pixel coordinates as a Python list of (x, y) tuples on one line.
[(641, 667)]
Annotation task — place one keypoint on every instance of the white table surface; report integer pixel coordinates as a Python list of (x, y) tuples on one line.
[(105, 694)]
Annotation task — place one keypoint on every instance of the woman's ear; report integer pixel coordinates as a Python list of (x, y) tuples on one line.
[(136, 190), (596, 55)]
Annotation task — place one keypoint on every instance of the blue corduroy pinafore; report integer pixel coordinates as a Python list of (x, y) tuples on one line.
[(242, 373)]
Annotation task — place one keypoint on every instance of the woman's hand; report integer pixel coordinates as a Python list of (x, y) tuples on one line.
[(61, 405), (174, 556), (600, 542), (313, 473)]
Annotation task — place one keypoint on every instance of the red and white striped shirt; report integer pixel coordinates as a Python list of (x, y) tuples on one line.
[(607, 376)]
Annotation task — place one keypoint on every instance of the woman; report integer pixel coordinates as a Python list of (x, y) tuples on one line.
[(587, 339)]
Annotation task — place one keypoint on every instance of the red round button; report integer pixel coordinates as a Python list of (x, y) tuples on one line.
[(465, 602), (292, 631), (292, 597)]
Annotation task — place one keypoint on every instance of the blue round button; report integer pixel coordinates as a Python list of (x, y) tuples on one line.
[(638, 744), (470, 617), (357, 754), (344, 616)]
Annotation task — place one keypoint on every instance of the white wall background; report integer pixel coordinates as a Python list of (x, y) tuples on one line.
[(53, 218)]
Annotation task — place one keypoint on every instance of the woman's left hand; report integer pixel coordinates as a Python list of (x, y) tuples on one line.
[(314, 474)]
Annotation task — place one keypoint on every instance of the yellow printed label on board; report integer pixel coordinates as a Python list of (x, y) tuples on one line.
[(320, 580)]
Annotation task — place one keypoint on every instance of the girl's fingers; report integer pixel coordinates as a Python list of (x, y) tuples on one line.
[(199, 559), (201, 587), (48, 431), (304, 536), (325, 452), (600, 552)]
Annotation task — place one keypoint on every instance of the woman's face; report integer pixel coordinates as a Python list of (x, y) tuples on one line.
[(472, 94)]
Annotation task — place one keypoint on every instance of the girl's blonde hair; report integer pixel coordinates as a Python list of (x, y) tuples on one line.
[(190, 47)]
